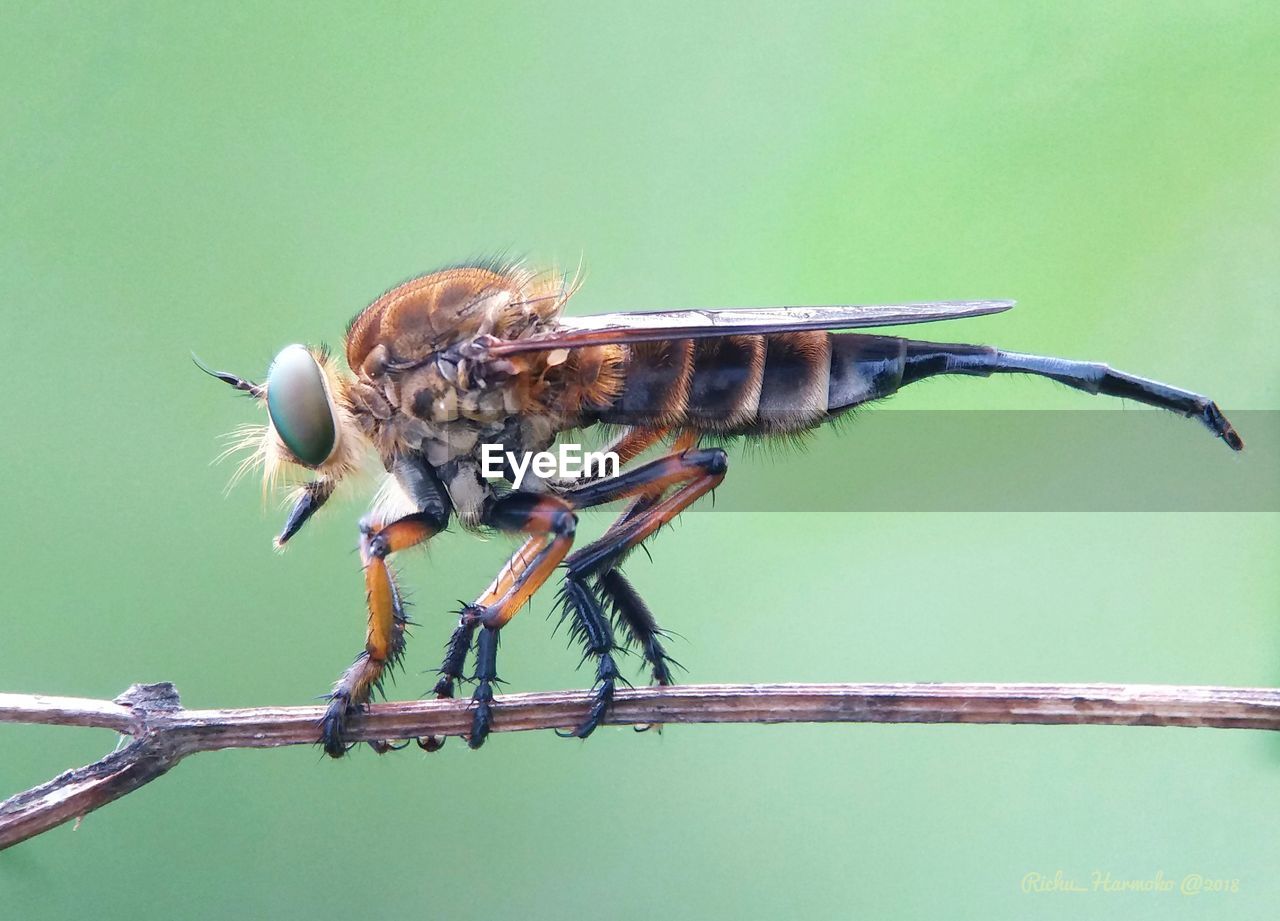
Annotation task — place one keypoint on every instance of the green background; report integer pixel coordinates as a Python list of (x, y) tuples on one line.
[(230, 178)]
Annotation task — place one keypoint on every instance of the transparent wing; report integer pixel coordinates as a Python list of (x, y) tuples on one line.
[(611, 328)]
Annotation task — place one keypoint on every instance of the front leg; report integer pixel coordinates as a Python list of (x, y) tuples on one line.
[(384, 637)]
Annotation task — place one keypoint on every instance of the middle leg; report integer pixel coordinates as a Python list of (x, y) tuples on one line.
[(550, 523)]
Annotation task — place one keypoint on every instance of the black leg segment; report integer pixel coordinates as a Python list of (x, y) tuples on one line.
[(634, 617), (589, 626), (486, 675), (455, 655), (455, 659)]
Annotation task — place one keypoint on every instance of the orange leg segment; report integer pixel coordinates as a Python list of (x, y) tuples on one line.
[(551, 523)]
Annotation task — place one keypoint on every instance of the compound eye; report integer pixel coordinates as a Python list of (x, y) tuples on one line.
[(298, 404)]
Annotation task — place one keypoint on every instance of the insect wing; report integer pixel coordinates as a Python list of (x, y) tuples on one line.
[(622, 328)]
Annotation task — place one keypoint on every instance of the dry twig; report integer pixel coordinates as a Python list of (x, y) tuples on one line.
[(163, 733)]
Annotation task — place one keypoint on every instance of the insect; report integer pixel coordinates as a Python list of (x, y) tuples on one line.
[(475, 355)]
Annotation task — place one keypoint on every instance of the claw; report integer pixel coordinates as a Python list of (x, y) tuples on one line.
[(599, 707), (606, 677), (333, 726), (482, 717)]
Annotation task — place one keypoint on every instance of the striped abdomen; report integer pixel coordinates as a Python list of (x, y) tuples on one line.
[(769, 384)]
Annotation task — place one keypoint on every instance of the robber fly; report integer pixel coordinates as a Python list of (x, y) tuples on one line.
[(478, 355)]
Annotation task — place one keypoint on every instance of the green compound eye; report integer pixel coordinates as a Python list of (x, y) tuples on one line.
[(298, 405)]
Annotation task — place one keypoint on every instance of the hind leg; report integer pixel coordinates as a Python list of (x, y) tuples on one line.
[(633, 615), (689, 476), (629, 611)]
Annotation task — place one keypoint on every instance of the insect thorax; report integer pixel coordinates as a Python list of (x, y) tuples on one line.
[(420, 411)]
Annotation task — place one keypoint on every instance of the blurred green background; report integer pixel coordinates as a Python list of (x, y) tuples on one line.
[(230, 178)]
